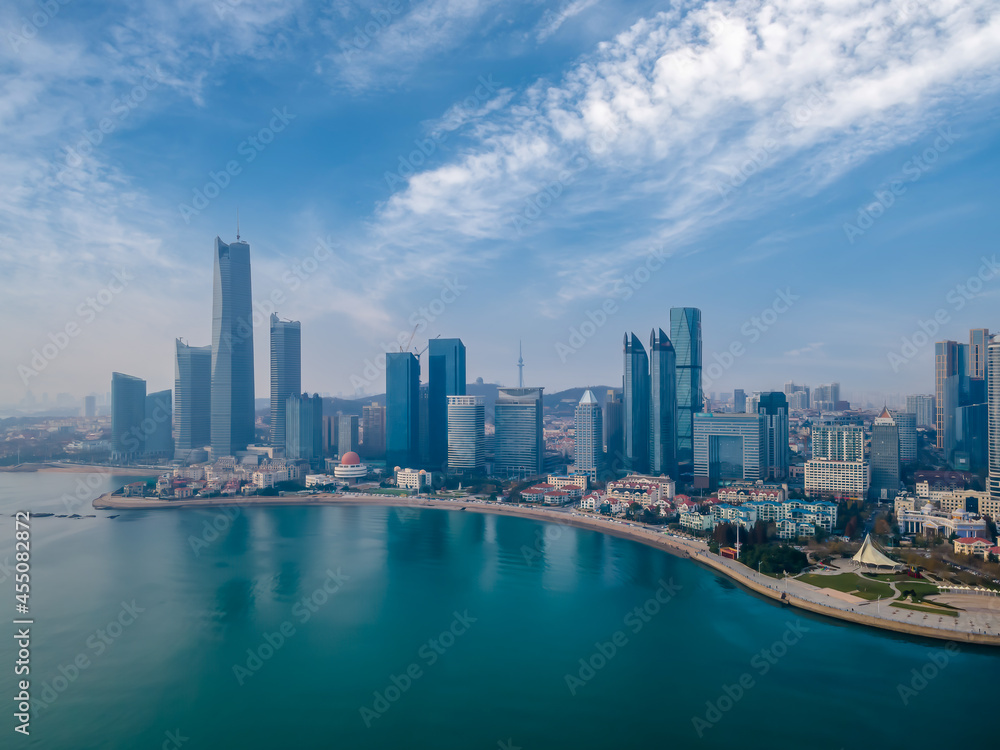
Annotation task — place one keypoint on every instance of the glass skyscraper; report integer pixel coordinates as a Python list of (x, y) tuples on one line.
[(128, 410), (402, 404), (445, 377), (373, 425), (519, 445), (192, 398), (636, 405), (588, 453), (232, 350), (304, 427), (157, 425), (466, 433), (773, 405), (614, 425), (663, 405), (347, 434), (728, 447), (885, 457), (685, 333), (993, 415), (286, 371)]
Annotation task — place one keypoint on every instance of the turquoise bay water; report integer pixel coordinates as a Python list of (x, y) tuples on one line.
[(528, 601)]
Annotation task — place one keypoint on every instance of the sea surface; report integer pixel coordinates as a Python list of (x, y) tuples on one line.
[(370, 627)]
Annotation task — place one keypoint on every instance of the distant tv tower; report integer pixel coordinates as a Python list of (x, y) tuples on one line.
[(520, 366)]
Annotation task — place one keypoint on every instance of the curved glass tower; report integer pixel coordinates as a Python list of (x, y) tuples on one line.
[(232, 350), (685, 333), (662, 405), (636, 393)]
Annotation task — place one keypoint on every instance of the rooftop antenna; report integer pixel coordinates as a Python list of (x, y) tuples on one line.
[(237, 223), (520, 366)]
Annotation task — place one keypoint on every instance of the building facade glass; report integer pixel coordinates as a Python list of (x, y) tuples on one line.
[(519, 444), (466, 433), (662, 405), (685, 333), (192, 398), (402, 405), (636, 405), (286, 371)]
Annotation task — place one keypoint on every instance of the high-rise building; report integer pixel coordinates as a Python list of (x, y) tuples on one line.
[(90, 406), (192, 398), (423, 427), (519, 445), (614, 435), (662, 405), (304, 428), (798, 395), (286, 371), (838, 442), (885, 458), (993, 415), (774, 407), (232, 350), (979, 340), (685, 333), (466, 433), (373, 427), (128, 410), (906, 423), (728, 447), (739, 401), (347, 434), (971, 449), (329, 439), (157, 425), (636, 400), (961, 377), (924, 409), (445, 377), (588, 456), (946, 366), (402, 405)]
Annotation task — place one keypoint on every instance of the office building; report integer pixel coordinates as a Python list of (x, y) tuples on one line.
[(192, 398), (826, 397), (773, 406), (636, 405), (588, 455), (843, 480), (924, 409), (728, 447), (906, 423), (466, 433), (157, 425), (128, 410), (330, 435), (232, 401), (662, 405), (373, 431), (423, 428), (739, 401), (402, 405), (993, 417), (614, 432), (286, 371), (885, 458), (519, 447), (838, 442), (445, 377), (798, 395), (90, 406), (946, 372), (685, 334), (347, 434), (304, 428)]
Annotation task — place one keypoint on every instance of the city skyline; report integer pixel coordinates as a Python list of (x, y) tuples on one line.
[(370, 237)]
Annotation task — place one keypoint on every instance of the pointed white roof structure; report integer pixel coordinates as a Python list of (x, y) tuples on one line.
[(588, 398), (871, 556)]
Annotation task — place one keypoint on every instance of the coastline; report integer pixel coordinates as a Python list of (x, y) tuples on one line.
[(47, 467), (677, 546)]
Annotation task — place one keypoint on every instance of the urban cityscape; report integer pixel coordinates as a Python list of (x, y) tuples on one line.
[(582, 374)]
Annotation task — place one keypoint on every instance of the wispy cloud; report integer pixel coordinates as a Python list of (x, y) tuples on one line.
[(552, 21)]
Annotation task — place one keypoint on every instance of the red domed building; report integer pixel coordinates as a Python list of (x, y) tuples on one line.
[(350, 469)]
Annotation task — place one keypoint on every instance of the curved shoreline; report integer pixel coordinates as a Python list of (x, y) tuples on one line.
[(673, 545)]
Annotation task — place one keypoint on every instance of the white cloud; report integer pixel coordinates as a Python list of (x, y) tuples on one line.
[(552, 21)]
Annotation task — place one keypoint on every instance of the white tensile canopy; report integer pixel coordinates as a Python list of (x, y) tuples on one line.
[(870, 556)]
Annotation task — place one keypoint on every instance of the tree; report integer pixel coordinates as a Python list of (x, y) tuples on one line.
[(882, 527), (851, 528)]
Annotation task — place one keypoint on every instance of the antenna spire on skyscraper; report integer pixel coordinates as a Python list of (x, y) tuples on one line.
[(520, 366), (237, 223)]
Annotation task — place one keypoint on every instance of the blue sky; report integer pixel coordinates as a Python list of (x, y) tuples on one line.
[(819, 178)]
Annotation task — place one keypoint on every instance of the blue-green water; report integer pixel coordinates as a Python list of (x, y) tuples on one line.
[(528, 601)]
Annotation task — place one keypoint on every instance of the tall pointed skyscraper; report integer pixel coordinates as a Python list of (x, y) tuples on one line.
[(402, 410), (636, 393), (286, 371), (662, 405), (993, 414), (588, 449), (685, 333), (232, 350)]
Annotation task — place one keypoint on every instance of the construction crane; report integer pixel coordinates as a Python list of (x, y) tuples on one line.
[(426, 347), (407, 347)]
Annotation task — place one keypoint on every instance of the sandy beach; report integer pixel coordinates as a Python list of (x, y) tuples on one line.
[(981, 626), (130, 471)]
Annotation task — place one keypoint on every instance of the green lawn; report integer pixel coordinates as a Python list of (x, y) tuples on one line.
[(920, 588), (850, 583), (929, 610)]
